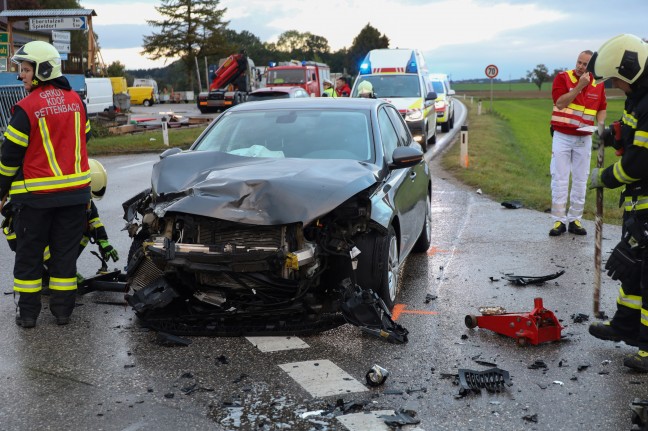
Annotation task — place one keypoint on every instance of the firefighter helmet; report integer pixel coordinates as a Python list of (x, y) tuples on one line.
[(365, 89), (623, 57), (46, 59), (98, 179)]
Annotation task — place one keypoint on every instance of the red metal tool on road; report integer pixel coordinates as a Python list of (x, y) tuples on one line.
[(538, 326), (598, 238)]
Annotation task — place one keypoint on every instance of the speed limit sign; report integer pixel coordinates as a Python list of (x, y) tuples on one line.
[(491, 71)]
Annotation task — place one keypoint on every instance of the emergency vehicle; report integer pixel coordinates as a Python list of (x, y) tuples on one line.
[(309, 75), (401, 77)]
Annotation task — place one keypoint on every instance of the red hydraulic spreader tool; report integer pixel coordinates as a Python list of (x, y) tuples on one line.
[(538, 326)]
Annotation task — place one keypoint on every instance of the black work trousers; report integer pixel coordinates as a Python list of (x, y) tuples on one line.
[(631, 316), (61, 228)]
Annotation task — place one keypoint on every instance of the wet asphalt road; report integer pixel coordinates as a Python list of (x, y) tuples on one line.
[(104, 372)]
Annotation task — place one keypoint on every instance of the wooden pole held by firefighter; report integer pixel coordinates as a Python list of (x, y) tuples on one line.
[(598, 239)]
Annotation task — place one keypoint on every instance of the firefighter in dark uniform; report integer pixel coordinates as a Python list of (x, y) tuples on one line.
[(44, 170), (624, 60)]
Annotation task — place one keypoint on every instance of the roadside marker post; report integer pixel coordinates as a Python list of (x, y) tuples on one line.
[(463, 148)]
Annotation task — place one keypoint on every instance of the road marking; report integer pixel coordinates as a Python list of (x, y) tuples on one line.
[(401, 309), (275, 344), (322, 378), (136, 164), (369, 421), (434, 250)]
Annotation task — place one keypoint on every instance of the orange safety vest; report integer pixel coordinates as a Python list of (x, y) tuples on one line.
[(582, 111), (56, 158)]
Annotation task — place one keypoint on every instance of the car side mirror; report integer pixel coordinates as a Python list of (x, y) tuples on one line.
[(451, 92), (170, 152), (404, 157), (431, 96)]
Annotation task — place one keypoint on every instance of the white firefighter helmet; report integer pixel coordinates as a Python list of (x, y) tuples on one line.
[(623, 57), (46, 59), (98, 179)]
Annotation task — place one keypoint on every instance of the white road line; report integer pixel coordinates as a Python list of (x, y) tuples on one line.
[(276, 344), (369, 421), (322, 378), (150, 162)]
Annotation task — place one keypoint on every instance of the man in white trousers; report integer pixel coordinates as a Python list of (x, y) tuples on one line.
[(579, 104)]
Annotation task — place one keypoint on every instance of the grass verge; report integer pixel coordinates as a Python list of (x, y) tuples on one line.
[(509, 151)]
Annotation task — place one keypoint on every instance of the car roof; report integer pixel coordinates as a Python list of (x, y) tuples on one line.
[(312, 103)]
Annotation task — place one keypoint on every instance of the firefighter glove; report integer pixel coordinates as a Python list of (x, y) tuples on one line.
[(595, 181), (108, 251), (611, 136), (624, 264)]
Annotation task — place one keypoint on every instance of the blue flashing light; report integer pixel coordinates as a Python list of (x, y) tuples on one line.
[(303, 62), (412, 66), (272, 64), (365, 67)]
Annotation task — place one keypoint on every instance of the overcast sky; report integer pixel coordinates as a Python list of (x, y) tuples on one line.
[(458, 37)]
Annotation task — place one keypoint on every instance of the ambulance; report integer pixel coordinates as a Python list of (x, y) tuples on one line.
[(401, 77)]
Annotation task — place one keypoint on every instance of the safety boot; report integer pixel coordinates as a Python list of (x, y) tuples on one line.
[(576, 228), (558, 229), (638, 361), (25, 322), (605, 331)]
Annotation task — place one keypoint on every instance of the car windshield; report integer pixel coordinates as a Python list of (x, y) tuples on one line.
[(392, 85), (438, 87), (266, 95), (303, 133)]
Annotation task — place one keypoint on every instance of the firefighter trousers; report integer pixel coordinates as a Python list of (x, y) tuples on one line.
[(570, 155), (61, 228)]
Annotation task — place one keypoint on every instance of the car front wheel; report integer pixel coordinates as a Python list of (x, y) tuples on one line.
[(378, 265)]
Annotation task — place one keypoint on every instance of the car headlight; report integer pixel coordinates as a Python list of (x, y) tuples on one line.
[(439, 105), (414, 115)]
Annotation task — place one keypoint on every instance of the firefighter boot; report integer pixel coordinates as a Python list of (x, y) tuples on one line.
[(61, 305), (638, 361), (576, 228), (558, 229), (605, 331), (29, 306)]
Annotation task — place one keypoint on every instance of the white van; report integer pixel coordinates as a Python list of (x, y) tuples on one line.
[(98, 95)]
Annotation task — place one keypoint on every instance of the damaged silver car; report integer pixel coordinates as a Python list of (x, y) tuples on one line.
[(284, 217)]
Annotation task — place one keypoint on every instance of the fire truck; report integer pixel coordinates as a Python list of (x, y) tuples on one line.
[(231, 82), (308, 75)]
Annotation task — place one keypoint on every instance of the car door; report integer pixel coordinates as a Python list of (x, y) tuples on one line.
[(409, 185)]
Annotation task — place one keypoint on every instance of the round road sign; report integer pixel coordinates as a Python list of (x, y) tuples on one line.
[(491, 71)]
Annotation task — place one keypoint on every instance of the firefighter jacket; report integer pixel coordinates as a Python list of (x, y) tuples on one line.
[(631, 170), (582, 110), (44, 161)]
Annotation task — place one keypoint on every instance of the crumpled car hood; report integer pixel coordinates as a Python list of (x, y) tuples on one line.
[(261, 191)]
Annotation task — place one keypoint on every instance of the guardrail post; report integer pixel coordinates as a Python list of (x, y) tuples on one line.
[(479, 107), (165, 131), (463, 148)]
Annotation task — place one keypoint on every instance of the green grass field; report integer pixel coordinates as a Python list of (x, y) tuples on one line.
[(510, 151)]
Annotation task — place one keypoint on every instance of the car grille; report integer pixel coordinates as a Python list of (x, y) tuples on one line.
[(250, 237)]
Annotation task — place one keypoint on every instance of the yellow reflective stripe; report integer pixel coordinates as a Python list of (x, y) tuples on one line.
[(644, 317), (8, 171), (87, 128), (630, 301), (50, 183), (28, 286), (641, 139), (47, 146), (16, 136), (95, 223), (46, 254), (629, 120), (621, 175), (10, 236), (63, 283), (577, 108), (77, 142), (84, 241), (640, 204)]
